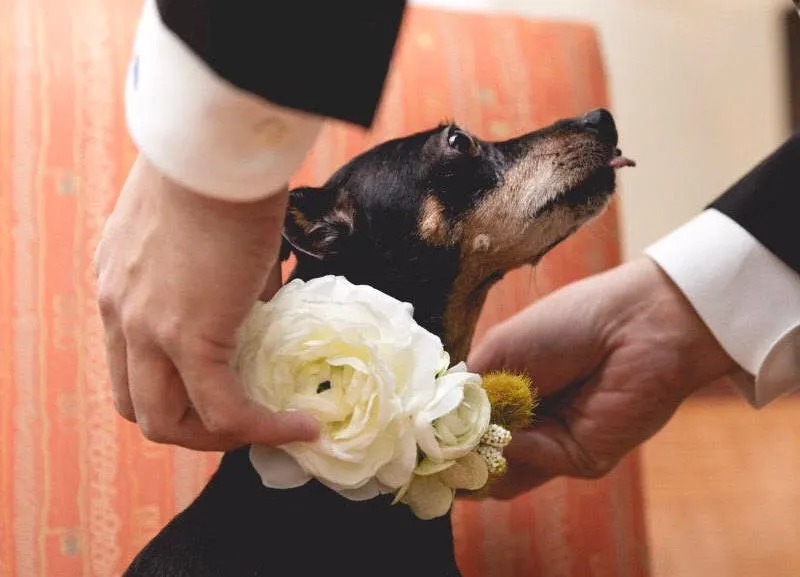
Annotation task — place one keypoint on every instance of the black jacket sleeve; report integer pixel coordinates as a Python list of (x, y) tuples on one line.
[(320, 56), (766, 202)]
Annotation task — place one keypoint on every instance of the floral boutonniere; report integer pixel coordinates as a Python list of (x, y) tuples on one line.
[(396, 417)]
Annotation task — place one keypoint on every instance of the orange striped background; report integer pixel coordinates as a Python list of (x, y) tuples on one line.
[(80, 490)]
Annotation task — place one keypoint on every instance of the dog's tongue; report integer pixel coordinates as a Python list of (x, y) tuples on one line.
[(620, 161)]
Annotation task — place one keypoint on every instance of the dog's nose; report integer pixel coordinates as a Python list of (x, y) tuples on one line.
[(601, 121)]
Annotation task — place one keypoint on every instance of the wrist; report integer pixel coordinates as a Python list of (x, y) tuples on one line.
[(269, 210), (240, 240), (652, 303)]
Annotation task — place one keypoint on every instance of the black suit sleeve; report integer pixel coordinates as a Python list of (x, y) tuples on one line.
[(320, 56), (766, 202)]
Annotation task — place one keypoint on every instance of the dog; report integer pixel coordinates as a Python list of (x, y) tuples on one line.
[(434, 219)]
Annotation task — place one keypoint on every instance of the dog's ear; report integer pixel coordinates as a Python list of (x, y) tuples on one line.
[(318, 220)]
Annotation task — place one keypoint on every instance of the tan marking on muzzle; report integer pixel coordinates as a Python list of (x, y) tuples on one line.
[(517, 238)]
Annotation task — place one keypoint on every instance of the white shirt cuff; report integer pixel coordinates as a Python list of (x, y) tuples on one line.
[(748, 297), (200, 130)]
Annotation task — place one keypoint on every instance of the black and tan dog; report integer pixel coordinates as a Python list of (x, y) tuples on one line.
[(434, 219)]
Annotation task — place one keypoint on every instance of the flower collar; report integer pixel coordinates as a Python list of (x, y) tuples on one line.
[(396, 417)]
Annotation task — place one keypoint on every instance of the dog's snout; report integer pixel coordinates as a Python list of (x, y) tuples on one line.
[(601, 121)]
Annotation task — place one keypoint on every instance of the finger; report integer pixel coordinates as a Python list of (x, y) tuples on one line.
[(162, 406), (116, 355), (490, 352), (273, 244), (224, 410), (549, 450), (521, 343), (541, 453), (117, 360), (273, 284), (511, 347), (552, 341), (517, 481)]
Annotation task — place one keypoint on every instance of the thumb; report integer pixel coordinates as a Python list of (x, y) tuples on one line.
[(273, 283), (548, 341), (488, 355), (519, 344), (220, 402)]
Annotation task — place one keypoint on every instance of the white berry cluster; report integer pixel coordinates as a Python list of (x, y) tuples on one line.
[(496, 436), (491, 449)]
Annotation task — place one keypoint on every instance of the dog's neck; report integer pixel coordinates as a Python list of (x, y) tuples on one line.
[(461, 316), (445, 302)]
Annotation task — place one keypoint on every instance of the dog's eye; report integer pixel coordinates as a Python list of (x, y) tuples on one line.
[(462, 142)]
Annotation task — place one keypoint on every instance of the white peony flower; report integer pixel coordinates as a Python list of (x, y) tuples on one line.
[(354, 358)]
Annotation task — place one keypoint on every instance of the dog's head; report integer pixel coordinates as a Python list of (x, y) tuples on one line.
[(437, 217)]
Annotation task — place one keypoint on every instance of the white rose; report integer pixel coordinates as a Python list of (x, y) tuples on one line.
[(452, 424), (354, 358), (448, 429)]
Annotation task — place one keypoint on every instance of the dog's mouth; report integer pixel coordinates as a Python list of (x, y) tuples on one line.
[(618, 160), (599, 184), (585, 199)]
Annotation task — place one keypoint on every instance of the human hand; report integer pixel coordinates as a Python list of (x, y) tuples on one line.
[(177, 274), (613, 356)]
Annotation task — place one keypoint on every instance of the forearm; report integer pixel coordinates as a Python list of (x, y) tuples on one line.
[(766, 203), (227, 98), (737, 263)]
